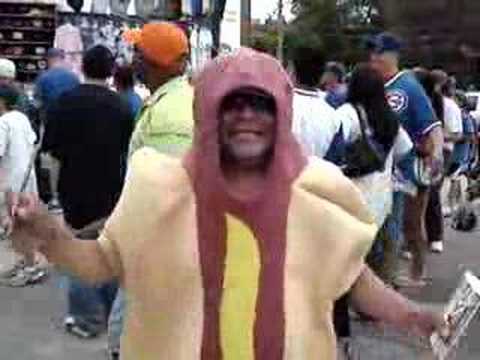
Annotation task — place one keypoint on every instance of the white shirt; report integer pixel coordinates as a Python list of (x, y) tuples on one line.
[(314, 122), (17, 140), (452, 120), (377, 187)]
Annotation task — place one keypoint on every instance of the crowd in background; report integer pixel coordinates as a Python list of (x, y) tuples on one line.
[(404, 137)]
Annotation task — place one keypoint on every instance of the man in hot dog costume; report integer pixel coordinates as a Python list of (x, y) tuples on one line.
[(238, 250)]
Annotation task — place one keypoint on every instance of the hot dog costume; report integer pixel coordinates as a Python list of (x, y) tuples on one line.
[(210, 276)]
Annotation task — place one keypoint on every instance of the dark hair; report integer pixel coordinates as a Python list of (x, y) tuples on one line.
[(124, 77), (55, 53), (430, 81), (337, 69), (367, 88), (98, 63), (308, 66), (9, 94)]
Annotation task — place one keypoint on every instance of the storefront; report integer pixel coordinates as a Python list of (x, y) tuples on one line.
[(28, 28), (27, 31)]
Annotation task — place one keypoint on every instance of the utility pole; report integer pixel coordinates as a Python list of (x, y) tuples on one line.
[(246, 21), (280, 31)]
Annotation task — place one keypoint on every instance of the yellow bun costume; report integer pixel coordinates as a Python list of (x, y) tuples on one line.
[(211, 276)]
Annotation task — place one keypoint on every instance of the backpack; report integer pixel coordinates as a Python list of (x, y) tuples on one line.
[(365, 155)]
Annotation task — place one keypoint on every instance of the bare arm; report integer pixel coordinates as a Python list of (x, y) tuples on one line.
[(34, 228), (432, 144), (372, 297), (82, 258), (452, 137)]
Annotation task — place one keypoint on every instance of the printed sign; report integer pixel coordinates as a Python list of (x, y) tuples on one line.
[(461, 310)]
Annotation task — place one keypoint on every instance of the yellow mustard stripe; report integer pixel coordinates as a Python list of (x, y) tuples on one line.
[(237, 312)]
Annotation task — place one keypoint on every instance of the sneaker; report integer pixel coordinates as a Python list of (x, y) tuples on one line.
[(407, 255), (12, 271), (54, 207), (25, 277), (74, 328), (114, 354), (436, 247), (447, 211)]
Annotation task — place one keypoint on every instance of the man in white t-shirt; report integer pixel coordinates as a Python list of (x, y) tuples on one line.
[(452, 123), (17, 141), (315, 124), (452, 114)]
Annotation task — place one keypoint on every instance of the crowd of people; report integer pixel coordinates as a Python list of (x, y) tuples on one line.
[(233, 212)]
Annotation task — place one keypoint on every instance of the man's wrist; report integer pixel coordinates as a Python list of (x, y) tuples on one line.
[(411, 317), (56, 240)]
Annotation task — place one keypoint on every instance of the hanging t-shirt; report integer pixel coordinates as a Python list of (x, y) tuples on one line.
[(69, 39)]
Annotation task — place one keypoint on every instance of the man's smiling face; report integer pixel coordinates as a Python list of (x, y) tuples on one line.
[(247, 128)]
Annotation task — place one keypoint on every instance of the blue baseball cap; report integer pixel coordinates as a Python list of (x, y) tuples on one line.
[(385, 42)]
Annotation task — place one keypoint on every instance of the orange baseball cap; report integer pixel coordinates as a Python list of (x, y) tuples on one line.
[(163, 43)]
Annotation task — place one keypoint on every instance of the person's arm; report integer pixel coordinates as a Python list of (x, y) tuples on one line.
[(34, 228), (425, 125), (402, 147), (371, 296), (431, 145)]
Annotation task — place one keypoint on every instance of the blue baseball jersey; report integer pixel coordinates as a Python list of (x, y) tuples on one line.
[(409, 101)]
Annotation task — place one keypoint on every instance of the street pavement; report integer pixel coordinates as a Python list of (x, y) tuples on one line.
[(31, 318)]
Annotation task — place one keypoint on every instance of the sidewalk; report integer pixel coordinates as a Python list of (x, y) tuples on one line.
[(462, 252)]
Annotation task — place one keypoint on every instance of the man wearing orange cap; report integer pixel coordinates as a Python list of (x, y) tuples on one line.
[(166, 121)]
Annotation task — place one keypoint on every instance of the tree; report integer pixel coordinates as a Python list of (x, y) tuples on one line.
[(315, 26), (335, 28)]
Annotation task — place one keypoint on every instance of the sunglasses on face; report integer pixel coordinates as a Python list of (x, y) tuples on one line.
[(257, 103)]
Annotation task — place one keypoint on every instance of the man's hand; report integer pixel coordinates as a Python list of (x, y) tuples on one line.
[(424, 322), (31, 227), (372, 297)]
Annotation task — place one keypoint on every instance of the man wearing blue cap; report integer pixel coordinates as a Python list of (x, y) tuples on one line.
[(333, 82), (408, 99)]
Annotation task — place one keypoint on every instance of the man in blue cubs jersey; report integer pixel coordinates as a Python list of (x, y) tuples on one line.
[(409, 101)]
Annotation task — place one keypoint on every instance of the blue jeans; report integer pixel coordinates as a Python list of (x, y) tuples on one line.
[(90, 306), (395, 223), (115, 322)]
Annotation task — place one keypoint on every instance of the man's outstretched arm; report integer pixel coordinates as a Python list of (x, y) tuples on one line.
[(33, 228), (372, 297)]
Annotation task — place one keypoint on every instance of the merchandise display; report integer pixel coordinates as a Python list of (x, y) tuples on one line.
[(27, 31)]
